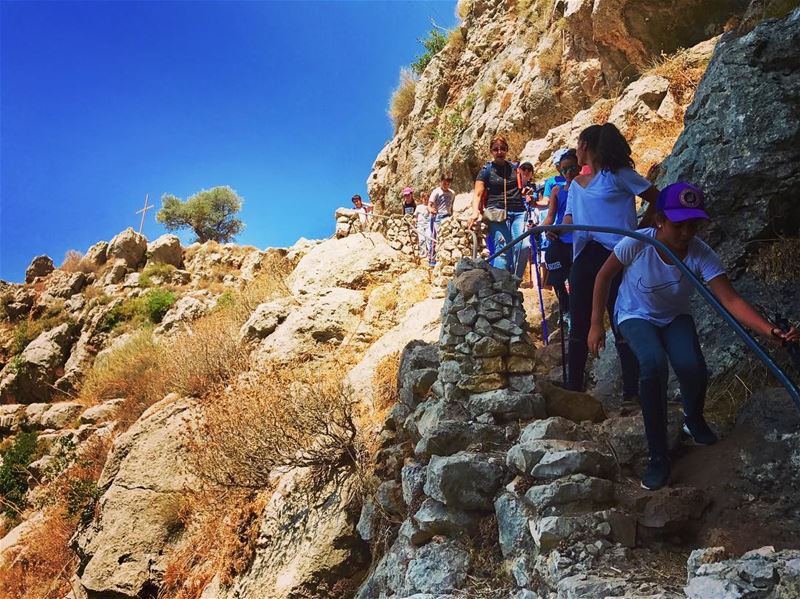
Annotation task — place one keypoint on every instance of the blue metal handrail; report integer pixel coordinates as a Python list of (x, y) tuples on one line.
[(791, 386)]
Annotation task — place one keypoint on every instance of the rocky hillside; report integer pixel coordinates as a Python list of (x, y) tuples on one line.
[(537, 71), (218, 421)]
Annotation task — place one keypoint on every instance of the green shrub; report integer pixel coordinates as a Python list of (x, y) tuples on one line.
[(434, 44), (14, 473), (156, 303)]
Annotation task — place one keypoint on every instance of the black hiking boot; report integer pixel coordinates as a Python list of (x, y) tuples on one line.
[(656, 475), (699, 431)]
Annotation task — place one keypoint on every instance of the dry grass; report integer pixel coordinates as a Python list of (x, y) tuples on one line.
[(74, 262), (511, 68), (43, 567), (287, 416), (653, 140), (777, 262), (682, 70), (220, 535), (455, 40), (402, 101), (193, 363), (549, 58), (384, 382), (602, 110), (463, 8)]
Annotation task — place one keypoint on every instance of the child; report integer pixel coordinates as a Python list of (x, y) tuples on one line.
[(558, 254), (422, 215), (652, 312)]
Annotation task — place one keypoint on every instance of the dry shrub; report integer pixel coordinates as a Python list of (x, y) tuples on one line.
[(74, 262), (402, 101), (683, 71), (43, 567), (601, 111), (287, 416), (463, 8), (455, 40), (778, 262), (549, 58), (220, 535), (511, 68), (384, 382), (486, 579), (653, 140)]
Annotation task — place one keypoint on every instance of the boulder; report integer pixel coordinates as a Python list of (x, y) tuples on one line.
[(165, 250), (464, 480), (11, 417), (412, 479), (96, 255), (61, 414), (62, 285), (124, 549), (30, 379), (437, 568), (128, 246), (571, 493), (507, 405), (572, 405), (435, 518), (554, 427), (40, 266), (513, 514), (102, 412), (190, 307), (351, 262), (555, 458), (449, 437), (265, 319)]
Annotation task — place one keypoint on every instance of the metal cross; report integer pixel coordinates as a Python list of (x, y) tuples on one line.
[(143, 212)]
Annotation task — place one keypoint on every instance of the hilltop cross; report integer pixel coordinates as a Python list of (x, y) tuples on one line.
[(143, 211)]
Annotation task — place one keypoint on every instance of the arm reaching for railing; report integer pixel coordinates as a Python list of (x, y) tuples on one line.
[(602, 285)]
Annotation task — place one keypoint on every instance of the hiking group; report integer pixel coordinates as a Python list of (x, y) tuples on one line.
[(640, 288)]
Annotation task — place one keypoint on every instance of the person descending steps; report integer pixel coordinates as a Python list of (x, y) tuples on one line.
[(653, 313)]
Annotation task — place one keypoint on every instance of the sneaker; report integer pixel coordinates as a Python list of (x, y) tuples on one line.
[(630, 404), (700, 432), (656, 475)]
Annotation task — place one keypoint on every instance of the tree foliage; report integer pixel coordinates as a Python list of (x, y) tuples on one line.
[(433, 45), (211, 214)]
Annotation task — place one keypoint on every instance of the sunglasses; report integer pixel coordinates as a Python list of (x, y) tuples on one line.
[(499, 148), (527, 170)]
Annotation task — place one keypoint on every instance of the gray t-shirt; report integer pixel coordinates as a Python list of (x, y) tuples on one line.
[(442, 201), (656, 291)]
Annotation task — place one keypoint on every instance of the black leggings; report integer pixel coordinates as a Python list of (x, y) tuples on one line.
[(581, 278)]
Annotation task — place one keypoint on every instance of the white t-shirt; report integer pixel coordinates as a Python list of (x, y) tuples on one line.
[(654, 290), (442, 201), (607, 201), (421, 212)]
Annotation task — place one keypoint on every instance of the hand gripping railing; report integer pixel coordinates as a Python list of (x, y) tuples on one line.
[(791, 386)]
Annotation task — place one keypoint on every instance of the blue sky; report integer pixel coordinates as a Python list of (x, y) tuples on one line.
[(103, 102)]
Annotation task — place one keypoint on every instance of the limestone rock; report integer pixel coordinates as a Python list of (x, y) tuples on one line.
[(62, 285), (513, 514), (123, 549), (449, 437), (40, 266), (97, 255), (572, 405), (435, 518), (350, 262), (165, 250), (102, 412), (507, 405), (576, 491), (129, 246), (61, 414), (190, 307), (464, 480), (265, 319), (29, 380), (554, 427), (554, 458), (437, 568)]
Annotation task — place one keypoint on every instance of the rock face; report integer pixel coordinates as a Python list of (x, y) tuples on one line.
[(30, 378), (165, 250), (123, 549), (758, 119), (129, 246), (520, 67), (40, 266)]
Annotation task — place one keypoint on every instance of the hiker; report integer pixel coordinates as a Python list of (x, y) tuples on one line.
[(558, 254), (362, 208), (605, 198), (422, 216), (408, 201), (558, 178), (440, 203), (505, 209), (653, 313)]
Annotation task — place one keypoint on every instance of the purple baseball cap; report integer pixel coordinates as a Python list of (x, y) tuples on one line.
[(681, 201), (407, 191)]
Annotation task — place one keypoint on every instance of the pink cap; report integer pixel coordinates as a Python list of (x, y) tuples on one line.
[(407, 191)]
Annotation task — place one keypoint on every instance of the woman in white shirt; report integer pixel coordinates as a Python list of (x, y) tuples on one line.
[(653, 313), (606, 197)]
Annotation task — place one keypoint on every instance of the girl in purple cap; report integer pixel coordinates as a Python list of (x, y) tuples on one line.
[(653, 313)]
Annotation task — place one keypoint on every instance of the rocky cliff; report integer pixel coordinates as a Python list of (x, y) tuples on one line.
[(526, 68)]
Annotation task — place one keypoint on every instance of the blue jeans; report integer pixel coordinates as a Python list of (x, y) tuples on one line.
[(433, 232), (515, 259), (653, 345)]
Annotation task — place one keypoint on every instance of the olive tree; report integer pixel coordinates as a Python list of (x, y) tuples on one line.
[(211, 214)]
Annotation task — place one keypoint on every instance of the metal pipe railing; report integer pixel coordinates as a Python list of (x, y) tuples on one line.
[(749, 341)]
